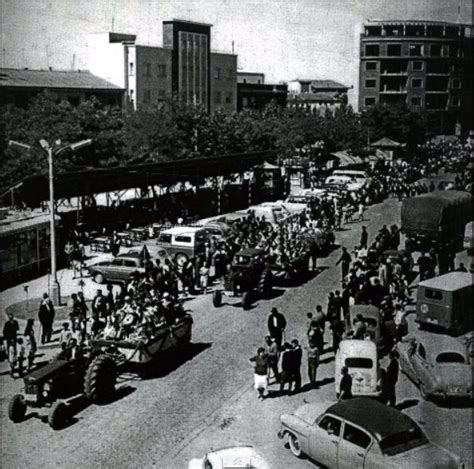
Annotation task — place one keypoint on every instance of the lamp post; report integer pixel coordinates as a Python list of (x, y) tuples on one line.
[(52, 151)]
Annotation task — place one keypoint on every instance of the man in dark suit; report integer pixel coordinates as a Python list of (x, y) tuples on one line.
[(276, 325), (46, 317), (364, 238), (296, 358)]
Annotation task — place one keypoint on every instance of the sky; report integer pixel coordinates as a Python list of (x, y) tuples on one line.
[(283, 39)]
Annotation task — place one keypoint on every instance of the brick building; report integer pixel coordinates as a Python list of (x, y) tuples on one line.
[(426, 65)]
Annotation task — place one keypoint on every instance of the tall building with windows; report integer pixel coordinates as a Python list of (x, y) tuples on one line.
[(183, 67), (426, 65)]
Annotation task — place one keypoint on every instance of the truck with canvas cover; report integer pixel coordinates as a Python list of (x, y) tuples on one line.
[(436, 219)]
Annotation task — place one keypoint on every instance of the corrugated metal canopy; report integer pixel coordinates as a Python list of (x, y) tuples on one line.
[(35, 189)]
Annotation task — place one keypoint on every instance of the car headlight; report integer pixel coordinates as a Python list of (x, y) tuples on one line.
[(46, 387)]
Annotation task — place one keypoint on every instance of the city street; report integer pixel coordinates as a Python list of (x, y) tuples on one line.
[(207, 401)]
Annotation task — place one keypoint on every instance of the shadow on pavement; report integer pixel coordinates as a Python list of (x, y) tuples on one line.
[(406, 404), (170, 361), (326, 360)]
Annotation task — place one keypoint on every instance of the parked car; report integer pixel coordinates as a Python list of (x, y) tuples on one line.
[(227, 458), (295, 203), (362, 360), (440, 367), (183, 242), (218, 230), (120, 269), (361, 433)]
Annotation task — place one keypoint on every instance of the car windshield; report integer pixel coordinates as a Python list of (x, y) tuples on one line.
[(450, 357), (296, 200), (357, 362), (403, 441)]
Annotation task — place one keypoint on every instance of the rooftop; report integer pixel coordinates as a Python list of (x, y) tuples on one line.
[(322, 84), (449, 282), (378, 419), (177, 20), (26, 78), (374, 22)]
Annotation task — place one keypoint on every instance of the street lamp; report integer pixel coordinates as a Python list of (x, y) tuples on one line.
[(52, 151)]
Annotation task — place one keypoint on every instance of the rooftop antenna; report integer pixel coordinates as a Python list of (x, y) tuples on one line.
[(232, 47), (73, 66), (459, 14), (113, 21)]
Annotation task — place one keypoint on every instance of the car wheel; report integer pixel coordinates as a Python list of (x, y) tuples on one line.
[(181, 259), (295, 446), (217, 298), (17, 408), (99, 278), (246, 300), (58, 415)]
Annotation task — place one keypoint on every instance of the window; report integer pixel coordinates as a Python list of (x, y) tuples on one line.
[(164, 238), (245, 101), (369, 101), (433, 294), (182, 239), (417, 65), (416, 101), (394, 50), (217, 73), (370, 66), (129, 263), (147, 96), (355, 436), (372, 50), (403, 441), (131, 70), (230, 74), (421, 351), (436, 50), (456, 83), (331, 425), (228, 98), (370, 83), (161, 94), (456, 101), (148, 70), (356, 362), (450, 357), (416, 83), (245, 80), (161, 70), (258, 82), (415, 50), (218, 97), (117, 262)]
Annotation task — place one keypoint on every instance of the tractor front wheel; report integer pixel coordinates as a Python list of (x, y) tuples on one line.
[(100, 379), (265, 284), (17, 408), (58, 415), (246, 300), (217, 298)]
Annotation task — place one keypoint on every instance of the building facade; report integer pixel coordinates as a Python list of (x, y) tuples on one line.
[(426, 65), (318, 96), (183, 67), (19, 86), (257, 96), (223, 82), (251, 78)]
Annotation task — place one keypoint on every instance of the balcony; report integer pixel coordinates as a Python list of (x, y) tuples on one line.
[(393, 91)]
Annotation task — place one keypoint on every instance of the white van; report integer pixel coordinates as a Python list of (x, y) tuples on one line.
[(273, 212), (183, 242), (359, 177), (361, 358)]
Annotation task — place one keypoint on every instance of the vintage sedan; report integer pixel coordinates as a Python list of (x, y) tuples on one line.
[(440, 366), (362, 433), (227, 458)]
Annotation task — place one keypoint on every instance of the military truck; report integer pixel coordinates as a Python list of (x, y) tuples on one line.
[(436, 219)]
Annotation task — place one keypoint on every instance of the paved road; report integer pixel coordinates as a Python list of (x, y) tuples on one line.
[(208, 401)]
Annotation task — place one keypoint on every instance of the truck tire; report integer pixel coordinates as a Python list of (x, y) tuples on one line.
[(265, 284), (99, 278), (100, 379), (58, 415), (17, 408), (246, 300), (217, 298)]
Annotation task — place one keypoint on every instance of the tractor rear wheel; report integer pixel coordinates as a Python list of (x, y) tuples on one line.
[(265, 284), (17, 408), (217, 298), (58, 415), (100, 379)]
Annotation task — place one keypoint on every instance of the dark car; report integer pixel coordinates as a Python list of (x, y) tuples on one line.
[(120, 269)]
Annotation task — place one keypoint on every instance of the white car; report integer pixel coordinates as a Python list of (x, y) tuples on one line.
[(295, 203), (235, 457)]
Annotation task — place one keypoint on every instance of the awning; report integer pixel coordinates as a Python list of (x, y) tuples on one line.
[(346, 159), (386, 142)]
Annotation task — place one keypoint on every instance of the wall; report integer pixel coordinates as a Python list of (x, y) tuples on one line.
[(223, 82)]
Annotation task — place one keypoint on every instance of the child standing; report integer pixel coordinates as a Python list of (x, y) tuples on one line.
[(204, 276)]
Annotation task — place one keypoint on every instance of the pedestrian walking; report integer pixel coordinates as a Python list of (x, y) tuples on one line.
[(272, 354), (30, 343), (260, 362), (345, 261), (313, 362), (392, 378), (68, 250), (276, 325), (286, 367), (21, 355), (364, 238), (345, 386), (99, 304), (46, 315), (296, 359), (10, 333)]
